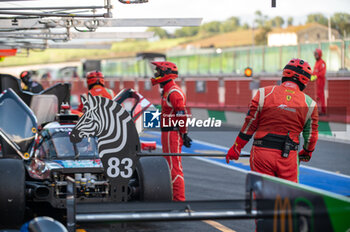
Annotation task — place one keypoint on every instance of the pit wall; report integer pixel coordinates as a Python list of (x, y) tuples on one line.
[(227, 98)]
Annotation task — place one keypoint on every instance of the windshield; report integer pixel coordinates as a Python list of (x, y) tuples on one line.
[(87, 148)]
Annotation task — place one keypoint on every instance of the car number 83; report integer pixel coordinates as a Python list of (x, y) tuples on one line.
[(114, 165)]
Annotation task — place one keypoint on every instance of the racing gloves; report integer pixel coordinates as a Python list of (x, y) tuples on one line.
[(186, 140), (305, 155), (235, 150)]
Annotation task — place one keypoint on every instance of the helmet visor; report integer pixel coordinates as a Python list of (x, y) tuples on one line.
[(157, 75), (156, 71)]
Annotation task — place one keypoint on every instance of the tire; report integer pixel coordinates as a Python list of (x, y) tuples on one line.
[(154, 179), (12, 192)]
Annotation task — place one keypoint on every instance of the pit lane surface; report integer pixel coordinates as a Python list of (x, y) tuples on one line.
[(328, 172), (204, 181), (208, 179), (328, 155)]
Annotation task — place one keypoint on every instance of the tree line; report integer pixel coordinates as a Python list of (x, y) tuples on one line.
[(339, 22)]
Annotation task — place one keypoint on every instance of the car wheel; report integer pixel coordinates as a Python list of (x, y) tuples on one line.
[(12, 192), (154, 179)]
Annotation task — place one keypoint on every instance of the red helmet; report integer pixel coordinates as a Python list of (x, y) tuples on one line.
[(298, 70), (26, 76), (319, 52), (95, 77), (164, 71)]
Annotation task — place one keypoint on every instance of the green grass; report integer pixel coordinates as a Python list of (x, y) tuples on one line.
[(126, 48), (119, 49), (54, 56)]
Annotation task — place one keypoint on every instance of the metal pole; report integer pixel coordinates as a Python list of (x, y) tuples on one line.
[(263, 58), (55, 8), (329, 29), (52, 14), (166, 216), (188, 67), (253, 45), (27, 46), (33, 37), (248, 57), (273, 3), (198, 63), (343, 55), (69, 35), (30, 34), (188, 154), (108, 6), (234, 61), (221, 62), (280, 58), (209, 64), (70, 204)]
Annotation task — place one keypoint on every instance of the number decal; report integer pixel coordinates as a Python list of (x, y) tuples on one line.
[(127, 167), (113, 169)]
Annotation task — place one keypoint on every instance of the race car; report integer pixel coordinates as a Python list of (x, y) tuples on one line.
[(38, 160)]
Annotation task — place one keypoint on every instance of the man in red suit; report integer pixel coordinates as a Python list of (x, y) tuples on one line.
[(277, 115), (173, 109), (320, 73), (96, 84), (29, 84)]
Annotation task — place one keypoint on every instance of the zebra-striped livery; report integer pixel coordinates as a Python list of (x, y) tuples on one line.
[(106, 120)]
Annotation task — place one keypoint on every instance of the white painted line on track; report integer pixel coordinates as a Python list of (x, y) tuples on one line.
[(333, 139), (218, 146), (212, 223), (221, 165), (307, 167), (242, 170), (210, 144), (325, 171)]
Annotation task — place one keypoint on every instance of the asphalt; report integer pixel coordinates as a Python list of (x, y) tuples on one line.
[(328, 155), (207, 181), (203, 181)]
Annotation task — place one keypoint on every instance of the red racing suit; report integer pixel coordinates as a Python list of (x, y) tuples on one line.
[(320, 72), (278, 111), (174, 109), (98, 90)]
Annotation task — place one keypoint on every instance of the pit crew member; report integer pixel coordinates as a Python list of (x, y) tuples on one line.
[(320, 73), (29, 84), (96, 84), (277, 115), (173, 108)]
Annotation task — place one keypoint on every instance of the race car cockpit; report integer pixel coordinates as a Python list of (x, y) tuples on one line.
[(55, 144), (46, 162)]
